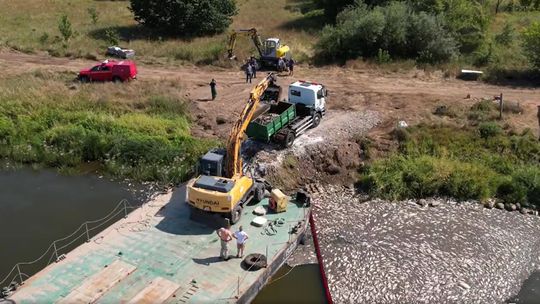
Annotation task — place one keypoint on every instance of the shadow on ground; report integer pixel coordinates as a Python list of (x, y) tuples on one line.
[(514, 78), (176, 215), (133, 32)]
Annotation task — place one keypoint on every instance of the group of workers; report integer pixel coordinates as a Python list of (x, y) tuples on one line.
[(283, 64), (226, 236)]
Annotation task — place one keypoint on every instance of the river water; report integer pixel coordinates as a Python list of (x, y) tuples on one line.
[(38, 207)]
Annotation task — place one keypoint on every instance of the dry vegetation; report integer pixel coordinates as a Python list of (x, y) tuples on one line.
[(37, 29)]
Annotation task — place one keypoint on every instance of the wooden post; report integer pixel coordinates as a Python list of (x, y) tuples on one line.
[(538, 115), (500, 106)]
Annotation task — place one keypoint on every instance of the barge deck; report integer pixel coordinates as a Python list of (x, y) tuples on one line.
[(158, 255)]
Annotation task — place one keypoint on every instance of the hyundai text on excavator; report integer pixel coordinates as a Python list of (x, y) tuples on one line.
[(269, 52), (222, 188)]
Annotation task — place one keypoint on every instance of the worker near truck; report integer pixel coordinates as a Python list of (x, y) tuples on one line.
[(249, 72), (291, 67), (281, 64), (241, 237), (253, 63), (213, 85), (225, 236)]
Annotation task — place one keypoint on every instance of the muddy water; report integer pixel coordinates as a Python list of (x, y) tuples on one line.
[(38, 207), (530, 291), (301, 284)]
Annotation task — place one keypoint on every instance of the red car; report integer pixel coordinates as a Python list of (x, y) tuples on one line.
[(110, 70)]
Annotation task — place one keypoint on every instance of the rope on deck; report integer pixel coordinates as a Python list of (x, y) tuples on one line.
[(319, 258)]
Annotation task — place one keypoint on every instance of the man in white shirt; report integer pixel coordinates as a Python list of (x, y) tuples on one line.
[(241, 238)]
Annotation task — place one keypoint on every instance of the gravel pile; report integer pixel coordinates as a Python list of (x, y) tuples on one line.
[(337, 127), (443, 252)]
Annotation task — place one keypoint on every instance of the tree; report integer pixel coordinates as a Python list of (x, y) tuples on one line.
[(185, 17), (332, 7), (363, 31), (531, 43), (64, 26)]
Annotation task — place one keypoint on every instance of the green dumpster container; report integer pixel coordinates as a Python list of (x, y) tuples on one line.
[(264, 130)]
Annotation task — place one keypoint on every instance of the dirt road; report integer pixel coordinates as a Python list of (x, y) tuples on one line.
[(411, 96)]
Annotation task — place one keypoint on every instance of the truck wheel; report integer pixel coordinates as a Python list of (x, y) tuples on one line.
[(289, 139), (316, 120), (84, 79), (236, 215), (117, 79)]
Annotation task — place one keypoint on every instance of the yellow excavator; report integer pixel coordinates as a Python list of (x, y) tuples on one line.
[(269, 52), (222, 188)]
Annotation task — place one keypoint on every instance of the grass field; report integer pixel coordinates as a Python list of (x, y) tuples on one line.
[(139, 131), (32, 25), (485, 158)]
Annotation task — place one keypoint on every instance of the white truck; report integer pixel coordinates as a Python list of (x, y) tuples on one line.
[(284, 121)]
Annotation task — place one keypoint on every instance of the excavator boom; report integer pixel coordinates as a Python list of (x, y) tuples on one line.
[(233, 162), (251, 33)]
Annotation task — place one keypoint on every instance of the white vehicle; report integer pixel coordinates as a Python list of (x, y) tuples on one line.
[(120, 52), (310, 94)]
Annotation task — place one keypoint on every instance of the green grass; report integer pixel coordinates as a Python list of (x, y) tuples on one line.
[(137, 130), (32, 25), (468, 163)]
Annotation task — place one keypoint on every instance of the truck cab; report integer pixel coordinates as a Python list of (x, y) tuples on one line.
[(312, 95)]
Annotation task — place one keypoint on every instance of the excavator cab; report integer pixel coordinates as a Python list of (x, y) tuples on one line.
[(271, 45), (270, 51), (211, 164), (274, 49)]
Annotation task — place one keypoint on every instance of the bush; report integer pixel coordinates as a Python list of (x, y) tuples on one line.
[(531, 44), (151, 141), (445, 110), (44, 38), (185, 17), (112, 37), (506, 36), (94, 15), (443, 160), (402, 177), (64, 26), (332, 7), (361, 31), (522, 187), (489, 129)]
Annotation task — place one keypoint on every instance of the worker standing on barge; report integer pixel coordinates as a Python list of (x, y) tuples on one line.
[(241, 238), (226, 236)]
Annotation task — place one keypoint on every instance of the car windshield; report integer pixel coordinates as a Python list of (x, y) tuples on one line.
[(96, 68)]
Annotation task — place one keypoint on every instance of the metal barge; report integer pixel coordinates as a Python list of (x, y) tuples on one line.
[(158, 255)]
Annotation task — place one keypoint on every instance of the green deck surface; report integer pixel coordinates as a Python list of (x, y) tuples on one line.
[(164, 244)]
